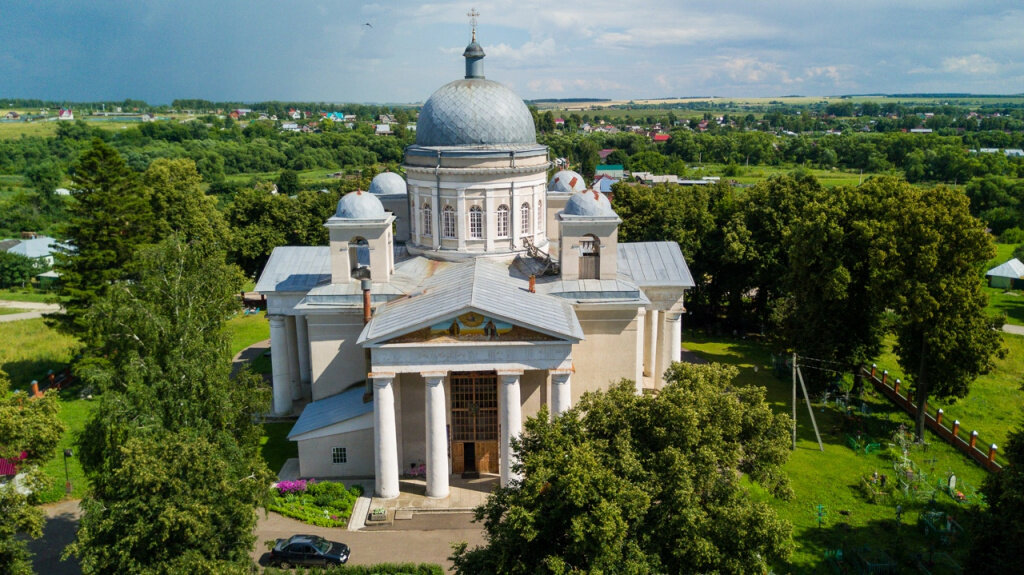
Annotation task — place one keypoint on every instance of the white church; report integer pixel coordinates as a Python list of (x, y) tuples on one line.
[(454, 303)]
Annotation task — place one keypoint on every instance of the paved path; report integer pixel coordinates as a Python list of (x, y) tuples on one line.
[(426, 538), (38, 309), (1015, 329), (248, 354)]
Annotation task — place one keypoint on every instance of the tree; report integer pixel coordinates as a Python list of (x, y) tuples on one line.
[(17, 270), (172, 454), (288, 183), (944, 337), (179, 204), (994, 547), (839, 281), (29, 426), (624, 483), (108, 218)]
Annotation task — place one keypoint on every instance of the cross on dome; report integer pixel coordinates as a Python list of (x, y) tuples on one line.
[(473, 14)]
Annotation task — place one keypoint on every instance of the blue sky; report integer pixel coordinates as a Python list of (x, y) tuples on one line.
[(253, 50)]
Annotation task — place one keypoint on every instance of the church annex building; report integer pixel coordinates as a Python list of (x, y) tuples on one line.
[(454, 303)]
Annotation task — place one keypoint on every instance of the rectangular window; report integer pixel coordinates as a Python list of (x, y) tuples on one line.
[(339, 455)]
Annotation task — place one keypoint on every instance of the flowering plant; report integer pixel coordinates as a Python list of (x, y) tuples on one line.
[(296, 486)]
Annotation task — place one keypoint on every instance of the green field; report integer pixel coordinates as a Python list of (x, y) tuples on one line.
[(11, 310), (246, 330), (831, 477), (27, 294), (31, 349)]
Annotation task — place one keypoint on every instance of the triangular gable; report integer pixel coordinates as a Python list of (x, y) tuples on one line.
[(473, 326), (476, 287)]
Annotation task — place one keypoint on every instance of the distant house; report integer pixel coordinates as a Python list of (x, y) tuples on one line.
[(62, 192), (920, 130), (611, 170), (605, 153), (294, 114), (290, 127), (1009, 275), (148, 118), (559, 123), (388, 119), (383, 130), (603, 183), (66, 114), (1014, 153), (650, 179), (38, 248), (12, 115), (661, 137), (234, 115)]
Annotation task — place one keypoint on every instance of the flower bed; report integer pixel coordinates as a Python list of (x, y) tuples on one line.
[(326, 503)]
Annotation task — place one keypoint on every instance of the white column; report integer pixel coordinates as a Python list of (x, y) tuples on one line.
[(435, 222), (437, 441), (511, 421), (639, 377), (279, 364), (675, 327), (385, 437), (305, 371), (652, 346), (561, 391), (293, 357)]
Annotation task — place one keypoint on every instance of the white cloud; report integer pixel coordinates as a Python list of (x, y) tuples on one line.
[(972, 64)]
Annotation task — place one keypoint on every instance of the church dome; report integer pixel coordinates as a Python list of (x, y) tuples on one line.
[(474, 112), (360, 205), (589, 203), (387, 183), (567, 182)]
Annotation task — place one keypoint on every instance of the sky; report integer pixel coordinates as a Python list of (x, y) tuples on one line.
[(396, 51)]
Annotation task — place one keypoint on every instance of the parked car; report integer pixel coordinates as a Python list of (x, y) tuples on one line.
[(308, 550)]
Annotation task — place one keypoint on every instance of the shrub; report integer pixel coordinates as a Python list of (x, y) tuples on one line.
[(378, 569), (325, 504), (1012, 236)]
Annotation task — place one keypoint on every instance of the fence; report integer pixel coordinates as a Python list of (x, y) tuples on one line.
[(990, 460)]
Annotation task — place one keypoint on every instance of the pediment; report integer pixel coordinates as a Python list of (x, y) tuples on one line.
[(472, 326)]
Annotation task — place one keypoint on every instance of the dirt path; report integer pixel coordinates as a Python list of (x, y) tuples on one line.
[(37, 309)]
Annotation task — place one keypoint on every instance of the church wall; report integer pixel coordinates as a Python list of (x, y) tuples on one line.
[(398, 205), (413, 420), (607, 354), (335, 359), (533, 391), (315, 455)]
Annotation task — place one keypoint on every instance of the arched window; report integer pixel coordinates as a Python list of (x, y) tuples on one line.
[(590, 258), (476, 223), (524, 218), (426, 228), (448, 222), (502, 221), (358, 253), (541, 217)]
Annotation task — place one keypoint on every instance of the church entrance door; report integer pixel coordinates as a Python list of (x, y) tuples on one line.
[(475, 422)]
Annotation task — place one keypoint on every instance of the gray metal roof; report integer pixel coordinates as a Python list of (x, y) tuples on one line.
[(388, 183), (1009, 269), (295, 269), (654, 264), (474, 111), (478, 285), (331, 410), (592, 289)]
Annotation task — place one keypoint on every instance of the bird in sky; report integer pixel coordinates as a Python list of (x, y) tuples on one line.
[(368, 24)]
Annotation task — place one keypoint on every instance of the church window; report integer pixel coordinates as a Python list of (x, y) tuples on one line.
[(339, 455), (427, 223), (590, 258), (540, 215), (448, 222), (476, 223), (503, 221), (524, 218)]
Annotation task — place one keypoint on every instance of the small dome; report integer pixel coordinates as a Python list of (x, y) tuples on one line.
[(474, 112), (360, 205), (566, 182), (387, 183), (589, 203)]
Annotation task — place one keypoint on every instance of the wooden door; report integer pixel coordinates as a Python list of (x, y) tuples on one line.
[(458, 457), (487, 456), (475, 420)]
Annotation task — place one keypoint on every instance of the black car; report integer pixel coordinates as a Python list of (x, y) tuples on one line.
[(308, 550)]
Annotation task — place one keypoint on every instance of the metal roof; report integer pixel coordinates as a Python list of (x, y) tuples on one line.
[(593, 289), (39, 247), (1010, 269), (478, 285), (331, 410), (474, 111), (654, 264), (295, 269)]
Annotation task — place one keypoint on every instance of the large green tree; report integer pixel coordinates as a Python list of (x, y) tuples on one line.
[(623, 483), (179, 204), (172, 453), (109, 217), (944, 337), (30, 427)]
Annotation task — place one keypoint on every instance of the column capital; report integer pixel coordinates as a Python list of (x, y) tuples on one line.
[(276, 319), (641, 311), (381, 379), (560, 376), (509, 377), (433, 374)]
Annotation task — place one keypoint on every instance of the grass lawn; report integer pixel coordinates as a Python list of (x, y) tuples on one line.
[(31, 349), (28, 294), (74, 412), (275, 447), (11, 310), (996, 402), (1009, 303), (832, 477), (247, 329)]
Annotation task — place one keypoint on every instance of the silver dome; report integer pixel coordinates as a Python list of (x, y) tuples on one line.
[(360, 205), (589, 203), (387, 183), (566, 182), (474, 112)]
